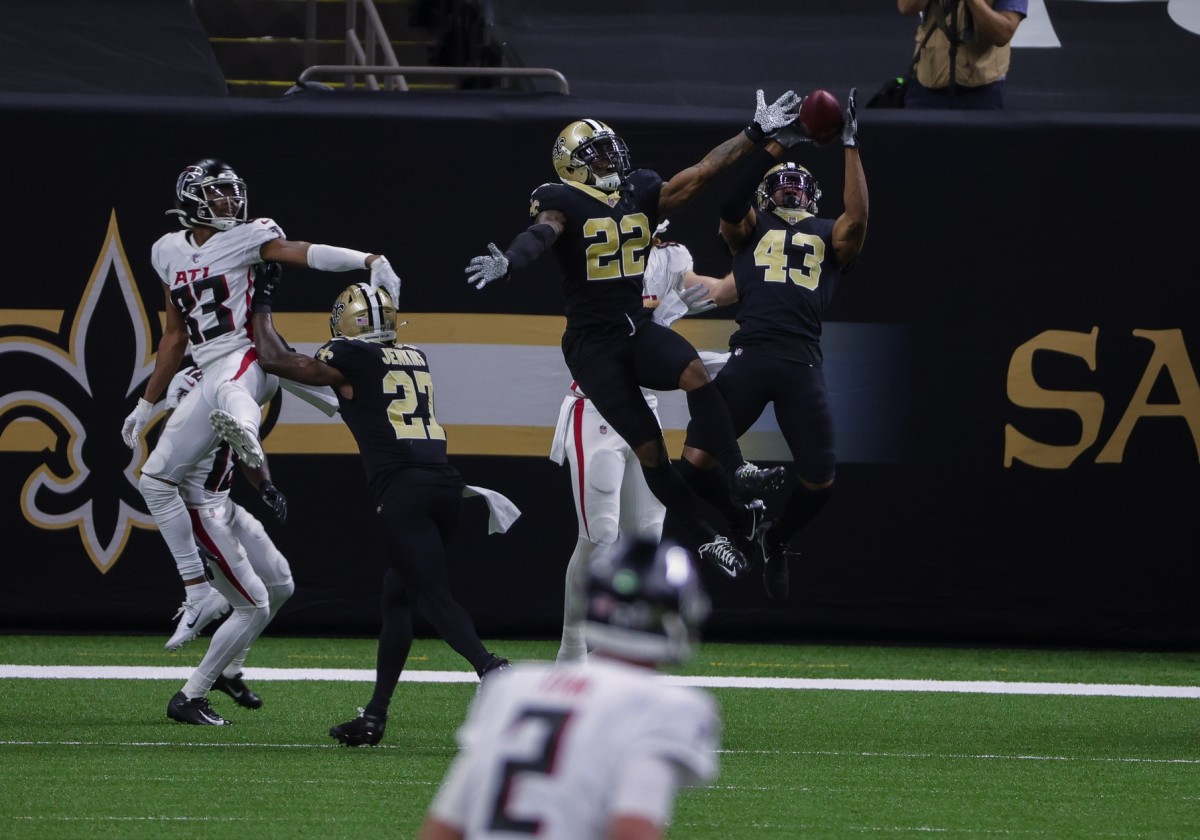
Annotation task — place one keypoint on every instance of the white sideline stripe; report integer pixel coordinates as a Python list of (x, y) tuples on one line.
[(135, 672)]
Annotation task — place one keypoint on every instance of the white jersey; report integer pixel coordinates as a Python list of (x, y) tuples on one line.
[(666, 265), (547, 749), (212, 285)]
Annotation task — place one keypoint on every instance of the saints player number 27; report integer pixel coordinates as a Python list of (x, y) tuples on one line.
[(402, 409)]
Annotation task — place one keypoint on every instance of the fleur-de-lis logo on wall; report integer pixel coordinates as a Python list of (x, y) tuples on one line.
[(68, 390)]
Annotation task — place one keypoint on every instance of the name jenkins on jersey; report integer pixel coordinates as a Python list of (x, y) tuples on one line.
[(391, 412)]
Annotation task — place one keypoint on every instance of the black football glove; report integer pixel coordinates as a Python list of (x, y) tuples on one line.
[(275, 500), (268, 278), (850, 122)]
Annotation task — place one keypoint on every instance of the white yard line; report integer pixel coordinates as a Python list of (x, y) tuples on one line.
[(142, 672)]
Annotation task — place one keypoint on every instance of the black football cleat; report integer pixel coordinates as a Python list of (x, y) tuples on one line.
[(776, 559), (364, 730), (196, 711), (750, 482), (725, 556), (745, 536), (495, 665), (238, 690)]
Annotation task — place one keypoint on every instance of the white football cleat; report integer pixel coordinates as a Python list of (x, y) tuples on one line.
[(194, 617), (243, 441)]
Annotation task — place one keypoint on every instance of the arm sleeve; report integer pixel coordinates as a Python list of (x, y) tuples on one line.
[(646, 788), (739, 182), (528, 245), (334, 258)]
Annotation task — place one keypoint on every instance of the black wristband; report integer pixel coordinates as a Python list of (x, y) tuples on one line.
[(739, 183), (753, 133), (528, 245)]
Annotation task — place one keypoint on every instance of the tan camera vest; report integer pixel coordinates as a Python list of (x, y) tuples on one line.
[(976, 63)]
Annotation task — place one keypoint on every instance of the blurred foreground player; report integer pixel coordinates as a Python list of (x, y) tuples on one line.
[(593, 751)]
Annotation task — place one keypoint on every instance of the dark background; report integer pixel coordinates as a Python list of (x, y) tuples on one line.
[(986, 230)]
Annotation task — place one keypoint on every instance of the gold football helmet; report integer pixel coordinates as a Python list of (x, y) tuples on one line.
[(363, 312), (589, 152), (801, 190)]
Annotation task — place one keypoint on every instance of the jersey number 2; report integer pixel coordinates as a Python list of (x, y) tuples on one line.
[(402, 409), (553, 721)]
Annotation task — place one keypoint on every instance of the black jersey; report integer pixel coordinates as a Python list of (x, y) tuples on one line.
[(786, 276), (602, 251), (391, 412)]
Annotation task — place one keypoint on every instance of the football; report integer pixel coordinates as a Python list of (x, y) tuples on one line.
[(821, 117)]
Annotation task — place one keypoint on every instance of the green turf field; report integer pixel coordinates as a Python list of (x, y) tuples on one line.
[(99, 758)]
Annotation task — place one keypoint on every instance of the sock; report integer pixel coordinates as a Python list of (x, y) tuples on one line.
[(713, 486), (197, 591), (711, 416), (670, 489), (801, 507), (395, 642)]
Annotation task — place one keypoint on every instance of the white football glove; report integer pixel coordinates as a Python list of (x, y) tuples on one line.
[(382, 276), (678, 302), (181, 385), (483, 270), (696, 299), (135, 422), (783, 111)]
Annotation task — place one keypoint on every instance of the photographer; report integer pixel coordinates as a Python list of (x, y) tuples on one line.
[(963, 51)]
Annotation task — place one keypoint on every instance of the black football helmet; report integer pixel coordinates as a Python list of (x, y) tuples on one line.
[(801, 186), (644, 601), (209, 193), (589, 152)]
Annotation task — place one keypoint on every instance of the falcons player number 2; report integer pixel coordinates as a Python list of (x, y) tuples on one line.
[(551, 722), (207, 317)]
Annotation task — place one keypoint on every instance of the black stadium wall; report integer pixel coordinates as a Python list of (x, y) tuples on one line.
[(1012, 363)]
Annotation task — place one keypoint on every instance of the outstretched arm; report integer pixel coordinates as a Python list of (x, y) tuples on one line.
[(526, 247), (682, 188), (850, 229), (275, 357), (333, 258)]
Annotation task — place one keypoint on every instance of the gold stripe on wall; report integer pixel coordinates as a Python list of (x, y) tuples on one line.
[(426, 327), (523, 441)]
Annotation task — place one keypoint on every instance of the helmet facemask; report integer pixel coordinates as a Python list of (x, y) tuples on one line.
[(364, 313), (607, 160), (589, 152), (211, 194), (801, 188)]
